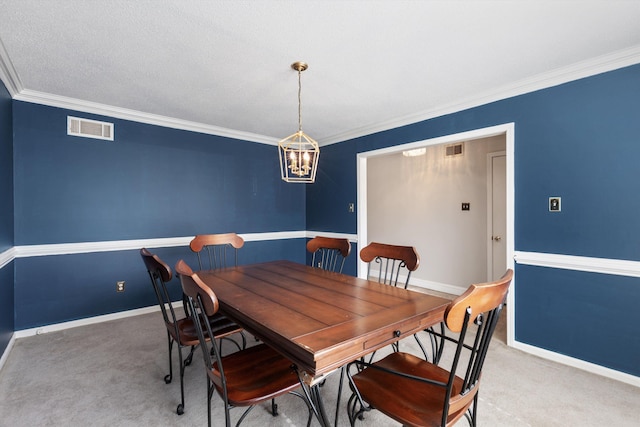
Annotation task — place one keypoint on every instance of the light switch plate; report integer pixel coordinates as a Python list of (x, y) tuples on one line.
[(555, 204)]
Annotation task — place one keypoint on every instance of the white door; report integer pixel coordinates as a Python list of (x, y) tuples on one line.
[(496, 215)]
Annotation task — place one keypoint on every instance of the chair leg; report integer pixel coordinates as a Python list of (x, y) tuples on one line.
[(187, 361), (244, 414), (244, 340), (355, 406), (210, 388), (471, 413), (424, 352), (180, 408), (169, 376), (274, 408)]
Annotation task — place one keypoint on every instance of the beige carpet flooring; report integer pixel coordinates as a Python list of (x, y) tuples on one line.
[(111, 374)]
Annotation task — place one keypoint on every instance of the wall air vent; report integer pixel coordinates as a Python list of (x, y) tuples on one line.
[(89, 128), (454, 150)]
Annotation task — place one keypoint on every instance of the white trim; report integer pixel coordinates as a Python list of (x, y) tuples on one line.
[(602, 64), (123, 245), (579, 364), (7, 256), (569, 262), (353, 238), (8, 73), (5, 354), (51, 100), (612, 61), (425, 284), (278, 235), (88, 321)]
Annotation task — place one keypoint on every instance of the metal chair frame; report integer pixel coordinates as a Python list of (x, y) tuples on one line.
[(481, 306), (213, 360), (160, 274)]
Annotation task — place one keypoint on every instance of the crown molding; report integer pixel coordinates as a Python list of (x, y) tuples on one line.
[(51, 100), (8, 73), (613, 61), (609, 62)]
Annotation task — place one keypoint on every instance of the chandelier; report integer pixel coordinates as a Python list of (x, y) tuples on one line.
[(299, 152)]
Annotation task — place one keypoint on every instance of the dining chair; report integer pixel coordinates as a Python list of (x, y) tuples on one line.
[(215, 248), (244, 378), (390, 264), (393, 265), (220, 250), (181, 330), (415, 392), (329, 253)]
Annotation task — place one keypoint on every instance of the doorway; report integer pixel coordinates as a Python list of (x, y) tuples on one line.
[(506, 130)]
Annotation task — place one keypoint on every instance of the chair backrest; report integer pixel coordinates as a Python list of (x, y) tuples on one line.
[(203, 304), (329, 253), (391, 261), (216, 247), (478, 307), (160, 274)]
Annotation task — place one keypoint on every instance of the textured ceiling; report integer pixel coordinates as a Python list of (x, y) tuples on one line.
[(225, 65)]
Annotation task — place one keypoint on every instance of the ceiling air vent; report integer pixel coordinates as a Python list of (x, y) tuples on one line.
[(89, 128), (454, 150)]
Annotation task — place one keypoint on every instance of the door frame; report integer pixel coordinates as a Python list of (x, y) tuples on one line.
[(508, 130)]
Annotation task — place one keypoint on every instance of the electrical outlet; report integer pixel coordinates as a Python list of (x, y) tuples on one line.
[(120, 286), (466, 206), (352, 207)]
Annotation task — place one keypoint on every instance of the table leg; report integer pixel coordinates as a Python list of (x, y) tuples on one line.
[(317, 401), (314, 399)]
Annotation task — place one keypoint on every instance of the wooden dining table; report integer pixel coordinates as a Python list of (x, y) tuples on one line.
[(320, 320)]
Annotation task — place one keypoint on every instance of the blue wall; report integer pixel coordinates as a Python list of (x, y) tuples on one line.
[(151, 182), (53, 289), (589, 316), (578, 141), (6, 218)]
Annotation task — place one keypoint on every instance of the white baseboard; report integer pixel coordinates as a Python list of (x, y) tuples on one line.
[(5, 354), (579, 364), (88, 321), (425, 284), (437, 286)]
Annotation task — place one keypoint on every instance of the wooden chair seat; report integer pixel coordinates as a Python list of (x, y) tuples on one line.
[(418, 393), (411, 402), (188, 336), (254, 375), (182, 331), (244, 378)]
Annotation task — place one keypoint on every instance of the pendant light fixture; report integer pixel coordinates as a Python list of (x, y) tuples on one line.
[(299, 152)]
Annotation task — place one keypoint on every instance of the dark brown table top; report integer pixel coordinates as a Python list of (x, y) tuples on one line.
[(320, 320)]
